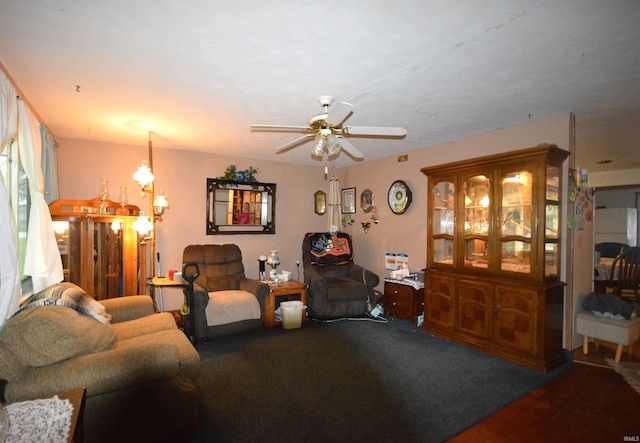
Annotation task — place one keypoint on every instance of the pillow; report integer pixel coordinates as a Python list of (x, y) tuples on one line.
[(330, 249), (45, 335), (69, 295)]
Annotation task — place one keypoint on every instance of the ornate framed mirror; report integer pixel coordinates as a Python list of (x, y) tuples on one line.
[(237, 207), (366, 200)]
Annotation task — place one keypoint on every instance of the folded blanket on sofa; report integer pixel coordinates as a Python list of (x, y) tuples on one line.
[(69, 295)]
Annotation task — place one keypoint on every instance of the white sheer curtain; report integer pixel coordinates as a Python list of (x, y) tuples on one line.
[(42, 261), (9, 269), (334, 220)]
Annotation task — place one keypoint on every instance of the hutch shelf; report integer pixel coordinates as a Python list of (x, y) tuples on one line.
[(492, 280)]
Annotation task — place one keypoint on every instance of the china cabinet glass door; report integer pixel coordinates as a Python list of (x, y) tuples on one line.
[(516, 221), (552, 223), (477, 221), (444, 193)]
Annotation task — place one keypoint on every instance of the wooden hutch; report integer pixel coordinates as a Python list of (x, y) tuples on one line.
[(492, 280), (99, 248)]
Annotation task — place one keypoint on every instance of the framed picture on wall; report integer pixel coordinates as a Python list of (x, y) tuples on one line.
[(349, 201)]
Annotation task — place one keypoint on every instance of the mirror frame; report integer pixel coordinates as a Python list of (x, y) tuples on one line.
[(320, 202), (366, 200), (214, 184)]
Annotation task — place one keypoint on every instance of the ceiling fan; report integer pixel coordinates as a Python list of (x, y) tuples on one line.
[(328, 132)]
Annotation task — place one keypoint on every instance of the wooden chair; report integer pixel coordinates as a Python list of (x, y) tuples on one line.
[(624, 278)]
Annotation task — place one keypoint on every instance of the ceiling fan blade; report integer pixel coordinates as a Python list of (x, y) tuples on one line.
[(296, 142), (280, 128), (348, 146), (339, 113), (375, 130)]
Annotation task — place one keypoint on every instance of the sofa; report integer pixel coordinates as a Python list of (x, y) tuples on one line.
[(225, 301), (139, 370)]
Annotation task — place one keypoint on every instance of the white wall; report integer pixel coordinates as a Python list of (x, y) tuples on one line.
[(614, 178)]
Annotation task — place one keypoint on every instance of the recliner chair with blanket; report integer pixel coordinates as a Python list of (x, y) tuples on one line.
[(225, 301), (337, 287)]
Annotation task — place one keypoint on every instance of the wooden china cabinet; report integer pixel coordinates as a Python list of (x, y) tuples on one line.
[(99, 248), (492, 280)]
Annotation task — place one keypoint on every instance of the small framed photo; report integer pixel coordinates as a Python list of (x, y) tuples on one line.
[(349, 201)]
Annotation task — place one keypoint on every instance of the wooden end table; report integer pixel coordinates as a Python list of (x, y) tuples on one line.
[(287, 289)]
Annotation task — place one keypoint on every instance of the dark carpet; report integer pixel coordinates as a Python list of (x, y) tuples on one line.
[(350, 381)]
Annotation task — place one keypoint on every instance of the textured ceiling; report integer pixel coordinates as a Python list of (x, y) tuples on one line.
[(198, 73)]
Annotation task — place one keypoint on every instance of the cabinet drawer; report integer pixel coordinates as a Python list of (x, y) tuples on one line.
[(398, 307), (398, 291)]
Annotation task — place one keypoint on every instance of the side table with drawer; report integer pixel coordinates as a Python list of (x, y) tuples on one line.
[(403, 298)]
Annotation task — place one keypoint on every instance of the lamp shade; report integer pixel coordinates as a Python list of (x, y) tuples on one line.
[(318, 145), (142, 225), (143, 175), (160, 201), (333, 145)]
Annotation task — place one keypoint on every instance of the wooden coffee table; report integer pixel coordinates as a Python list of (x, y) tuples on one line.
[(287, 289)]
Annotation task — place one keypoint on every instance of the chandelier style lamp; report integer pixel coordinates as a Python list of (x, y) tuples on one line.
[(145, 226)]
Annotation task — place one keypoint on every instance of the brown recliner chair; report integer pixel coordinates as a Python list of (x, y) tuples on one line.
[(337, 287), (224, 300)]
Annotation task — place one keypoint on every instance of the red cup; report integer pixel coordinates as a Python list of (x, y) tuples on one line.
[(171, 273)]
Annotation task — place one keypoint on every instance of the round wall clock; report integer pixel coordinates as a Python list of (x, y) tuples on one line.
[(399, 197)]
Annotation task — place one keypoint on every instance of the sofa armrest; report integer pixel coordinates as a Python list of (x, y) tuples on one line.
[(198, 318), (370, 279), (100, 373), (316, 283), (128, 308)]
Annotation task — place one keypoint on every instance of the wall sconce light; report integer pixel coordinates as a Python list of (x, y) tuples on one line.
[(116, 226), (374, 214), (347, 220)]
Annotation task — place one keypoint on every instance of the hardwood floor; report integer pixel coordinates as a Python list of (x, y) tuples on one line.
[(588, 403)]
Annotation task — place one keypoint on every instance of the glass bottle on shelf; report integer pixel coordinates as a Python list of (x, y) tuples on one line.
[(123, 196), (103, 193), (477, 210), (123, 201), (516, 221)]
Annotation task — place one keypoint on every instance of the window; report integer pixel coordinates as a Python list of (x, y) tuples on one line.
[(17, 186)]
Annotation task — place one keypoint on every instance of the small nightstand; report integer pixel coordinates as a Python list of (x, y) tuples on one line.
[(403, 298)]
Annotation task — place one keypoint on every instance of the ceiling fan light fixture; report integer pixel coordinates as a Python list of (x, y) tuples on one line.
[(333, 145), (318, 145), (327, 131)]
